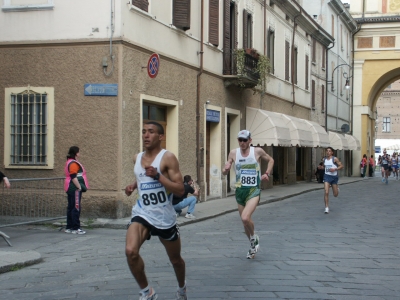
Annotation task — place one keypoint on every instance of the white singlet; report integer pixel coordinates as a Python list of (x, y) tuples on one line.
[(247, 169), (154, 203), (329, 163)]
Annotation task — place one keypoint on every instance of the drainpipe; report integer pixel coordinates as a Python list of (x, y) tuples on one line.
[(292, 63), (198, 96)]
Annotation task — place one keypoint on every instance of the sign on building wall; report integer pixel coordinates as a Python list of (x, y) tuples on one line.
[(213, 116), (100, 89)]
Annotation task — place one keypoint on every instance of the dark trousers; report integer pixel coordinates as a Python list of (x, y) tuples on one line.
[(74, 210)]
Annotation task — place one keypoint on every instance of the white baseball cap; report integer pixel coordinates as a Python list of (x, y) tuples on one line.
[(245, 134)]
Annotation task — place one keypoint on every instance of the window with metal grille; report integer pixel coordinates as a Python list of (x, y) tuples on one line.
[(29, 128)]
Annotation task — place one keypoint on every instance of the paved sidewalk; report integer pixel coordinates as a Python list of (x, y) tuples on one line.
[(10, 259)]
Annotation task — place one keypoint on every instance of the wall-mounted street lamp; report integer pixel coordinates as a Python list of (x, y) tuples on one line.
[(347, 84)]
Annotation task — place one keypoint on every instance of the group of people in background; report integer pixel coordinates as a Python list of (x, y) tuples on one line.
[(389, 164)]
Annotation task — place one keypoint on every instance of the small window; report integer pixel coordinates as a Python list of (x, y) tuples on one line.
[(271, 49), (386, 124), (307, 73), (295, 58), (181, 14), (313, 94), (29, 128), (287, 60)]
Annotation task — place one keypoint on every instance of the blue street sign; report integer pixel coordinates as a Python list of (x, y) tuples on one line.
[(101, 89), (212, 116), (377, 149)]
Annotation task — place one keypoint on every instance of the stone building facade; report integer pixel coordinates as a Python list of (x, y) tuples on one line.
[(97, 85)]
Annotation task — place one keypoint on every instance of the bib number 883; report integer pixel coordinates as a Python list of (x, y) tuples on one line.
[(154, 198), (248, 180)]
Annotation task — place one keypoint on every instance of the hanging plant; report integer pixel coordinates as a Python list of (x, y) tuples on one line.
[(263, 67)]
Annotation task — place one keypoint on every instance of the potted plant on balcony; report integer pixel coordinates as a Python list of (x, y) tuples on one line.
[(263, 65)]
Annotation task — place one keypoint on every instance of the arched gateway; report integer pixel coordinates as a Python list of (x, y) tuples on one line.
[(376, 65)]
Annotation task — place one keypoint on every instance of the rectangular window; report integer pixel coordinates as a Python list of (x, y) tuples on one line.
[(312, 94), (181, 14), (333, 26), (270, 49), (386, 124), (323, 98), (295, 58), (323, 59), (247, 30), (29, 128), (307, 71), (287, 60), (341, 37), (314, 51), (213, 31)]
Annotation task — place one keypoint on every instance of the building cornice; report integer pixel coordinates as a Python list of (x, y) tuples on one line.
[(344, 14), (378, 19)]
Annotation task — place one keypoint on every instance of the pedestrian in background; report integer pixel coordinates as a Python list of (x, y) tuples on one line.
[(248, 178), (157, 178), (395, 165), (385, 166), (75, 184), (371, 166), (5, 180), (185, 201), (363, 165)]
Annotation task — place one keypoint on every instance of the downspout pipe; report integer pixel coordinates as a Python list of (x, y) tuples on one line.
[(198, 96), (292, 63)]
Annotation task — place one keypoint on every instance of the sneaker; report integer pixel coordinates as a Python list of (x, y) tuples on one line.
[(255, 243), (179, 296), (68, 230), (251, 254), (327, 210), (387, 181), (151, 296), (190, 216), (79, 231), (383, 179)]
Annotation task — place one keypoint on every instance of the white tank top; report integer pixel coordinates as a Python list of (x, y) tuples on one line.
[(329, 163), (247, 170), (154, 203)]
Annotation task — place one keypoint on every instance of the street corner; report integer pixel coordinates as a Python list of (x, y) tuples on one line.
[(11, 261)]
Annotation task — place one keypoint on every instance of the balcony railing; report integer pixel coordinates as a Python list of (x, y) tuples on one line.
[(246, 76)]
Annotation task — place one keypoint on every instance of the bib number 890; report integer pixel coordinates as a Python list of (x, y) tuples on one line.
[(154, 198), (248, 180)]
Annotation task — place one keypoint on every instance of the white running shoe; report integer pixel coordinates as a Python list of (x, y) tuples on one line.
[(327, 210), (151, 296), (190, 216)]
